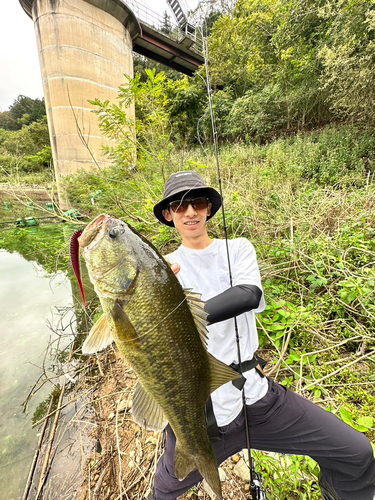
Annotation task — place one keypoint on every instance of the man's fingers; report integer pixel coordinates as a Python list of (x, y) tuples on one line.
[(175, 267)]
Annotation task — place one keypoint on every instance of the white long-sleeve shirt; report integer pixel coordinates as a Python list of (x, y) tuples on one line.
[(206, 272)]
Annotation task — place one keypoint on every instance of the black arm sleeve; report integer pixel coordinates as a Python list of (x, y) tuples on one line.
[(232, 302)]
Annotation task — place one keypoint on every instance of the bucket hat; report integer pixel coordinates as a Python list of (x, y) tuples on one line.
[(182, 183)]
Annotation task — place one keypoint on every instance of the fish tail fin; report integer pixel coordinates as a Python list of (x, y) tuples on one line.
[(207, 467), (206, 463)]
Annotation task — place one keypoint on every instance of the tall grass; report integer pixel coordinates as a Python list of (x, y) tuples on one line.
[(307, 204)]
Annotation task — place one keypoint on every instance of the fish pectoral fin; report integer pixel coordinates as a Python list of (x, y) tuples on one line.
[(146, 411), (124, 329), (99, 337), (220, 373)]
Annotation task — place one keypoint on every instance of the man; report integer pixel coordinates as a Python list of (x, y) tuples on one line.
[(278, 419)]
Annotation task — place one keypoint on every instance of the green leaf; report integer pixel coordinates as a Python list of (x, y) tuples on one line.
[(346, 416), (275, 328), (283, 313), (360, 428), (366, 421)]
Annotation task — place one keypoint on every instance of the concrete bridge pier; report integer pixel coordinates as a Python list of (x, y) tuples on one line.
[(85, 48)]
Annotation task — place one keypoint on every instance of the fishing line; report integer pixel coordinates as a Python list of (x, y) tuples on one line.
[(256, 490), (97, 229), (173, 214), (16, 462), (157, 324), (154, 327)]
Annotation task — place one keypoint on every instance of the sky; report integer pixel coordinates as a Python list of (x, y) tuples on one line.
[(19, 62)]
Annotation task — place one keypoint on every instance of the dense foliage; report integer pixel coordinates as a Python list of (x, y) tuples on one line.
[(281, 67), (23, 111), (25, 149), (278, 68), (290, 65)]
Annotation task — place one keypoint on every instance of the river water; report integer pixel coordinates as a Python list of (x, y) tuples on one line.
[(29, 300)]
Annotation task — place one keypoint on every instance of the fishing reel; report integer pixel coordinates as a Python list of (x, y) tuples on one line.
[(257, 490)]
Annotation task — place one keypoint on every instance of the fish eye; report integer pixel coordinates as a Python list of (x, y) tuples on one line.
[(113, 233)]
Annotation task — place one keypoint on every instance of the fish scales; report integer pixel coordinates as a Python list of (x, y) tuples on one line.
[(149, 317), (181, 346)]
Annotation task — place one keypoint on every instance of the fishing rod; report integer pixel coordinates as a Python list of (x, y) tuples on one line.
[(257, 491)]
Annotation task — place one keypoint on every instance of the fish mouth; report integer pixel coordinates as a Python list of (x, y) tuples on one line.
[(92, 232)]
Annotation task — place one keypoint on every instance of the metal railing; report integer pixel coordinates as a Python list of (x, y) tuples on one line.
[(158, 22)]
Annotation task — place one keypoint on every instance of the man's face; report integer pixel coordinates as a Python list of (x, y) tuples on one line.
[(192, 222)]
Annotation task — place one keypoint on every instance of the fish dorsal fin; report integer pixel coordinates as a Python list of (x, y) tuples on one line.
[(146, 411), (220, 373), (196, 305), (99, 337)]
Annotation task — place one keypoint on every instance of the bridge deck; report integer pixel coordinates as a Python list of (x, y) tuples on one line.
[(179, 55), (176, 49)]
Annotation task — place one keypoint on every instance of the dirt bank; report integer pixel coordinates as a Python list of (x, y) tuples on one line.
[(25, 192), (118, 458)]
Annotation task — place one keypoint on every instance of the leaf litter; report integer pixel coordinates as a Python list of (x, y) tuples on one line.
[(117, 458)]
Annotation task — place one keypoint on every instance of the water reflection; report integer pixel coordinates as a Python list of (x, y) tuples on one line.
[(27, 299)]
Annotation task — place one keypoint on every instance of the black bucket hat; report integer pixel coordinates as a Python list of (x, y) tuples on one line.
[(183, 183)]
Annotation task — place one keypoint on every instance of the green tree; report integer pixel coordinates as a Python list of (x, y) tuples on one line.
[(167, 25), (348, 57), (23, 111), (297, 41), (240, 53), (6, 121), (186, 103), (28, 148), (151, 134), (210, 20), (267, 53)]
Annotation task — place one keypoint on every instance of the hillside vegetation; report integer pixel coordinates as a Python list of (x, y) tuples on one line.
[(307, 204), (294, 105), (25, 151)]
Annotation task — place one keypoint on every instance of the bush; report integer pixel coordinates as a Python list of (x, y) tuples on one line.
[(257, 114)]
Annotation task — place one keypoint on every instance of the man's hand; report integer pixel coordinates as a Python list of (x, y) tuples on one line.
[(175, 267)]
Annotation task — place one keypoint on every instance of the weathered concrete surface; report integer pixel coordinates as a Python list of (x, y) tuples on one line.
[(84, 51)]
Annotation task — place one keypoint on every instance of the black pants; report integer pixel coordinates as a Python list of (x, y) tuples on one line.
[(284, 422)]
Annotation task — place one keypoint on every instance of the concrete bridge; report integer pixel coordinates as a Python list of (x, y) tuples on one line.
[(85, 47)]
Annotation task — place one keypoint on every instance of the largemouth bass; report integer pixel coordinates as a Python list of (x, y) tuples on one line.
[(160, 330)]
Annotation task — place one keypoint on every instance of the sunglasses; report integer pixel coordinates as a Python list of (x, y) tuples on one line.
[(180, 206)]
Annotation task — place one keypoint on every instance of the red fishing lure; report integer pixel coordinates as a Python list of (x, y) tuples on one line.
[(74, 259)]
